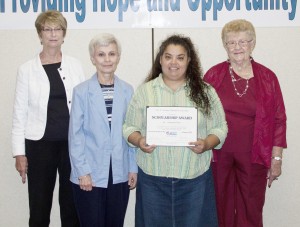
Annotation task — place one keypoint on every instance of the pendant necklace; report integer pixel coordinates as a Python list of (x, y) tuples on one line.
[(234, 80)]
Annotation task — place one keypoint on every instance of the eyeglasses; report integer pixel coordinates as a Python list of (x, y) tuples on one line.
[(241, 43), (50, 30)]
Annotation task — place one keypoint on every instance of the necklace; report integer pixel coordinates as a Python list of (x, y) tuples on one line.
[(233, 80)]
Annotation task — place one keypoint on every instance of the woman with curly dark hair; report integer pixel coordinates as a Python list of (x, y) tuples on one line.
[(193, 72), (175, 185)]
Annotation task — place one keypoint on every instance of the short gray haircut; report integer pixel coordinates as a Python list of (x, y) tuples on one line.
[(103, 39)]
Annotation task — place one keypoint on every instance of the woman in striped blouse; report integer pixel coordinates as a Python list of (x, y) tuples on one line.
[(175, 185)]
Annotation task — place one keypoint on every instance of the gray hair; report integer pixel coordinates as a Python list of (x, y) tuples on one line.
[(103, 39)]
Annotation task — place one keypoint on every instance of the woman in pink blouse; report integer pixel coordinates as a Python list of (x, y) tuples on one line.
[(251, 156)]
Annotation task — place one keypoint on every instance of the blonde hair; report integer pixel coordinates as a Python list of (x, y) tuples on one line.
[(51, 17), (239, 25)]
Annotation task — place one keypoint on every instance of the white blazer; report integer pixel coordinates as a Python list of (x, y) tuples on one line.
[(32, 95)]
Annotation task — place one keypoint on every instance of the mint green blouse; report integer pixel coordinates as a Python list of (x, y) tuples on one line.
[(169, 161)]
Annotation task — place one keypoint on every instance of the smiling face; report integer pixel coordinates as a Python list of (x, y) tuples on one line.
[(239, 46), (106, 59), (52, 36), (174, 62)]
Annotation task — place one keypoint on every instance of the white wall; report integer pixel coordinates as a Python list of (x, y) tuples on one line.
[(277, 48)]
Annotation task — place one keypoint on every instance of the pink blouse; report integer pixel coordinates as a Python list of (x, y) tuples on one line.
[(269, 127)]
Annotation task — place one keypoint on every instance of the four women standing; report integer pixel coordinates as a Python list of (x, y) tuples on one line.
[(175, 183)]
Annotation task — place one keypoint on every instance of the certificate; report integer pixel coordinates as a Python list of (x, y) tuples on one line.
[(171, 126)]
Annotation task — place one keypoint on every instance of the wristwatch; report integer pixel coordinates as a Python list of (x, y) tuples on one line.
[(277, 158)]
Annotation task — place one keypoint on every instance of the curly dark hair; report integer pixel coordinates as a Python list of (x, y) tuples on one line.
[(194, 74)]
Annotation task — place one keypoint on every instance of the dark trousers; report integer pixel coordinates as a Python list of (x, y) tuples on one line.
[(45, 159), (102, 207)]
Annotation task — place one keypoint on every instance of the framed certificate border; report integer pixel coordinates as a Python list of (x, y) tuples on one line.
[(171, 125)]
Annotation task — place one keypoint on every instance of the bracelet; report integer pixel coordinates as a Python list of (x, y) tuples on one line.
[(277, 158)]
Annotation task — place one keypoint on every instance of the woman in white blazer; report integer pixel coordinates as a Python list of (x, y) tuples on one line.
[(103, 165), (41, 120)]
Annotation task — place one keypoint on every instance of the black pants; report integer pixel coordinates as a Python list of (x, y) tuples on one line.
[(102, 207), (45, 159)]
